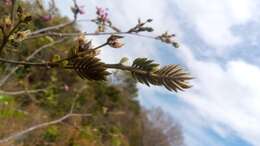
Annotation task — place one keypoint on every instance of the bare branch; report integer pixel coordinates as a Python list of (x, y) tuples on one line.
[(39, 126), (89, 34), (13, 10), (51, 28), (21, 92), (56, 27)]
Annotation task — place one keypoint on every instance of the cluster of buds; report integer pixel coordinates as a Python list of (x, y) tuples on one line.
[(18, 37), (76, 9), (6, 23), (102, 14), (23, 17), (21, 35), (102, 18), (140, 27), (81, 39), (83, 44), (169, 39), (114, 41)]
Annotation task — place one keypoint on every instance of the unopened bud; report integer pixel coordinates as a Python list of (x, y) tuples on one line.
[(27, 19), (114, 41), (7, 22)]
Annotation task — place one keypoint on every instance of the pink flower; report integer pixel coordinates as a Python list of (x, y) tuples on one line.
[(81, 10), (46, 17), (102, 14), (66, 87), (78, 10)]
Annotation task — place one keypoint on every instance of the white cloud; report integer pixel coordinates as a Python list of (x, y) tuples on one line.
[(213, 20), (227, 96)]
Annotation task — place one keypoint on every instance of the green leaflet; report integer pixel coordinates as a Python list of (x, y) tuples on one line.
[(90, 68), (172, 77)]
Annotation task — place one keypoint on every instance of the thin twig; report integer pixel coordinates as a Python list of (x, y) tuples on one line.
[(39, 126), (56, 27), (49, 64), (51, 28), (13, 10), (21, 92), (88, 34)]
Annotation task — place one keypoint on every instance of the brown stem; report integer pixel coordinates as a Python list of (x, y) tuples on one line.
[(88, 34), (21, 92), (48, 65), (56, 64)]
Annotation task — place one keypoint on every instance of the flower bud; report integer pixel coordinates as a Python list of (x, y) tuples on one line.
[(27, 19), (124, 61), (46, 17), (21, 35), (19, 11), (81, 39), (7, 22), (114, 41)]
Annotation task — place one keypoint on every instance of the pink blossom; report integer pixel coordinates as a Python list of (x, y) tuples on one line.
[(78, 9), (102, 14), (81, 10), (46, 17), (66, 87)]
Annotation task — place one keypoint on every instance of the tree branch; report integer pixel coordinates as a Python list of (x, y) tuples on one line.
[(56, 27), (13, 10), (21, 92), (56, 64), (46, 124), (89, 34)]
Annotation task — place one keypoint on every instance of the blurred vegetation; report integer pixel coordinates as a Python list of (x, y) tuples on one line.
[(117, 118)]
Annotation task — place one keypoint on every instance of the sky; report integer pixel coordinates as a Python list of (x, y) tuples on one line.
[(218, 45)]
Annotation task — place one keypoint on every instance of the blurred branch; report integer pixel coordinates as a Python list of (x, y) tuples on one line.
[(56, 27), (89, 34), (47, 31), (13, 10), (21, 92), (51, 28), (46, 124)]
